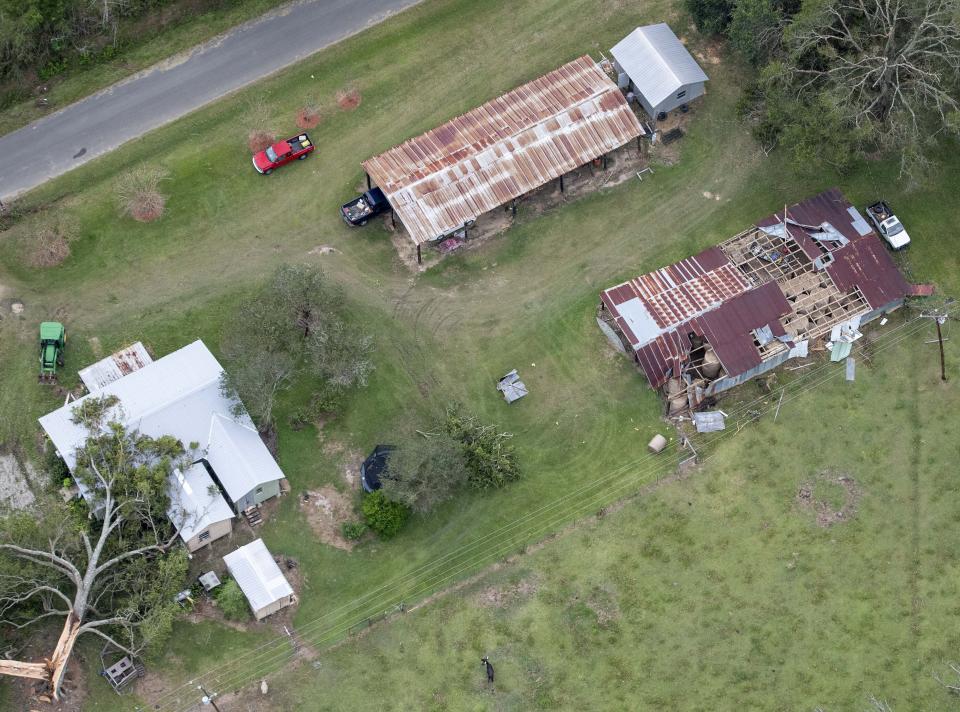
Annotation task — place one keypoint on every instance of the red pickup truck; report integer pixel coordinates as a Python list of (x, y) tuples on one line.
[(282, 152)]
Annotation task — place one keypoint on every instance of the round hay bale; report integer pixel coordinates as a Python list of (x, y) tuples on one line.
[(711, 364), (657, 444)]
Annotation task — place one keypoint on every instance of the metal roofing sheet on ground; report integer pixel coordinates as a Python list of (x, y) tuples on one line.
[(503, 149), (657, 62)]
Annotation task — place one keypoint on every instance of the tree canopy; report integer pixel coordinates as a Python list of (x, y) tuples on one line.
[(293, 326), (844, 79), (113, 574)]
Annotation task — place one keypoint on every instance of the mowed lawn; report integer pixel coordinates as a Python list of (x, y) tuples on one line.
[(716, 592), (526, 300)]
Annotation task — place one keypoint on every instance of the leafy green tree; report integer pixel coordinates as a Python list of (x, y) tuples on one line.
[(710, 16), (425, 471), (232, 602), (113, 574), (490, 459), (292, 326), (756, 27), (384, 516), (865, 75)]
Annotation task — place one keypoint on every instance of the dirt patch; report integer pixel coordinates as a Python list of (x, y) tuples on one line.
[(348, 99), (324, 250), (15, 481), (308, 117), (258, 140), (326, 510), (504, 596), (26, 694), (827, 511)]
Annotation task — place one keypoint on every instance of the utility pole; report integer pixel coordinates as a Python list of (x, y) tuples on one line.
[(208, 698), (939, 318)]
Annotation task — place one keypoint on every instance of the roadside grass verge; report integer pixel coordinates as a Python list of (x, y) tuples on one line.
[(174, 37)]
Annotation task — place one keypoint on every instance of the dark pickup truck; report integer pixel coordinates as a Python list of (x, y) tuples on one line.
[(364, 207)]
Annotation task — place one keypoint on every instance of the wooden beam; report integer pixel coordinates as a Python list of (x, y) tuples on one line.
[(419, 258), (369, 184), (15, 668)]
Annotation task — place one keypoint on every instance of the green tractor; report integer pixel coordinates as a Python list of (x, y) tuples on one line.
[(53, 339)]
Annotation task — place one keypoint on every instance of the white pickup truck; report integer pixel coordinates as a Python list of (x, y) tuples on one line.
[(888, 225)]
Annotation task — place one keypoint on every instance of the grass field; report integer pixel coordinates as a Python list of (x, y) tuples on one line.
[(525, 298)]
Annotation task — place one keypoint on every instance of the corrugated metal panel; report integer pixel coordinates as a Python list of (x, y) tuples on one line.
[(657, 62), (503, 149), (258, 575), (675, 294), (866, 264), (115, 367)]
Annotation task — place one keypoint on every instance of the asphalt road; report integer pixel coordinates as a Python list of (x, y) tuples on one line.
[(77, 133)]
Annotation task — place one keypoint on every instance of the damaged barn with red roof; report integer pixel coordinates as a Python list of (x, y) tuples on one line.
[(737, 310)]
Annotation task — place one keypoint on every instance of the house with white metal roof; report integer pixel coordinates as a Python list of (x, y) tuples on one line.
[(653, 63), (180, 395), (197, 508), (253, 568)]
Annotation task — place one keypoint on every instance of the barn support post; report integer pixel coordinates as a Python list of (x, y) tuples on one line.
[(639, 144), (561, 184), (393, 218), (369, 184), (605, 161), (419, 257), (513, 207)]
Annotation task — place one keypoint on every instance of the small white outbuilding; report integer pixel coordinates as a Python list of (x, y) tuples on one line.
[(653, 63), (260, 579)]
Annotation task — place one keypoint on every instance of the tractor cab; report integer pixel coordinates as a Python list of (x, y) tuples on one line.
[(53, 339)]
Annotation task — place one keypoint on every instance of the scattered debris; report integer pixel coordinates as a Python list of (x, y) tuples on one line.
[(851, 366), (258, 140), (512, 387), (709, 422), (308, 117), (209, 581), (827, 514)]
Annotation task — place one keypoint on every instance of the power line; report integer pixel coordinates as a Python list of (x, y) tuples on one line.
[(265, 655)]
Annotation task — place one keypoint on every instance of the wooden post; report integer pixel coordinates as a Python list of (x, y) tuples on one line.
[(466, 232), (561, 184), (419, 258), (393, 218), (604, 161), (369, 185), (943, 365), (513, 207), (639, 144)]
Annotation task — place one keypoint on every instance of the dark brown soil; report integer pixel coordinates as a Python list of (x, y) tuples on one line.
[(348, 99), (258, 140), (308, 117), (147, 207), (826, 514)]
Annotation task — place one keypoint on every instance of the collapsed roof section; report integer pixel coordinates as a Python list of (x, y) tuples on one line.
[(789, 278)]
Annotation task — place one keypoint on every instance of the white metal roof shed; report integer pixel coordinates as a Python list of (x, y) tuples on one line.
[(657, 62), (195, 501), (257, 574)]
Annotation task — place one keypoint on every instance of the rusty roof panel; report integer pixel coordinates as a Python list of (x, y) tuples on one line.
[(115, 367), (503, 149), (866, 264)]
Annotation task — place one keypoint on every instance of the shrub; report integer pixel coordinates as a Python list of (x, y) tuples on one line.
[(55, 467), (232, 601), (386, 518), (491, 462), (352, 531), (139, 195)]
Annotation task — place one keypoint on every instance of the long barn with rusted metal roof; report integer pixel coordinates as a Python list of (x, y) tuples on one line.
[(732, 312), (442, 181)]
